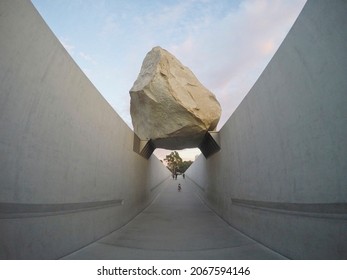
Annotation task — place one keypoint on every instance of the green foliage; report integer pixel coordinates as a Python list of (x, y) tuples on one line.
[(175, 163), (185, 165)]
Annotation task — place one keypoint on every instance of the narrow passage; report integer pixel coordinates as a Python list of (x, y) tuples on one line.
[(177, 225)]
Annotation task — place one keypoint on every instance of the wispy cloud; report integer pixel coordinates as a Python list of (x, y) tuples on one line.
[(87, 58), (229, 55), (226, 43), (67, 45), (110, 26)]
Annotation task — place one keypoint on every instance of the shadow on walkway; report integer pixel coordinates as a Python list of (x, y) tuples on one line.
[(177, 225)]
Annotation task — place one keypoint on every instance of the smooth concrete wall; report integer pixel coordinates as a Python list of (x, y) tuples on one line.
[(281, 175), (68, 174)]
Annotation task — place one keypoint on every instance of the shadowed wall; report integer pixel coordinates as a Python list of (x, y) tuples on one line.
[(280, 176), (68, 171)]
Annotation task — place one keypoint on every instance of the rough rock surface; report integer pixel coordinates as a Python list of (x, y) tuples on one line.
[(169, 105)]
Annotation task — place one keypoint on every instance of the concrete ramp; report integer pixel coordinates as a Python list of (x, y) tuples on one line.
[(177, 225)]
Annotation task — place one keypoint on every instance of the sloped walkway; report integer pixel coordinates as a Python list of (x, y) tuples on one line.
[(177, 225)]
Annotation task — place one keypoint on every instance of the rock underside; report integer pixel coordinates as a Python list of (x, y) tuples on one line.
[(169, 105)]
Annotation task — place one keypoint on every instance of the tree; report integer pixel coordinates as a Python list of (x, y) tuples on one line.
[(176, 164), (185, 165), (173, 161)]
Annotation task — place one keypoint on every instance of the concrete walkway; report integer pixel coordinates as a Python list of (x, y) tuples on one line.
[(177, 225)]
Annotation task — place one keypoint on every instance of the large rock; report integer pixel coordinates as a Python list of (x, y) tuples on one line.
[(169, 105)]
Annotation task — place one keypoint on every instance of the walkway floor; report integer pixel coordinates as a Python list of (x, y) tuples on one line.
[(177, 225)]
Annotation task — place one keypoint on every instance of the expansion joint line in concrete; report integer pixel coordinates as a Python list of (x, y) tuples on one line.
[(156, 186), (27, 210), (217, 214), (122, 226), (253, 243), (315, 210)]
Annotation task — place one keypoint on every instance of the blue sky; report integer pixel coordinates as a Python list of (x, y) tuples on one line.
[(226, 43)]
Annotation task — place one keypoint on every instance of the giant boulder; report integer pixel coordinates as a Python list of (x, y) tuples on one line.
[(169, 105)]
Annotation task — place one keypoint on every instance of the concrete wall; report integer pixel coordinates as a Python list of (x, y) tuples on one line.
[(68, 174), (281, 176)]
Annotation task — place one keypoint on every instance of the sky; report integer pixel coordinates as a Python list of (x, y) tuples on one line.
[(226, 43)]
